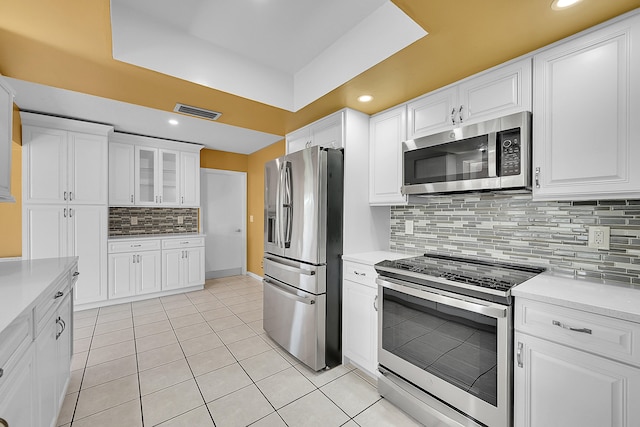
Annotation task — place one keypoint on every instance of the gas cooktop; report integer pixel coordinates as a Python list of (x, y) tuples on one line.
[(473, 277)]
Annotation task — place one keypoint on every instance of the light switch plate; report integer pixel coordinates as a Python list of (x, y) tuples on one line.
[(408, 227)]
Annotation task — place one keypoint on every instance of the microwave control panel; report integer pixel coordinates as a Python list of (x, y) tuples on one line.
[(510, 152)]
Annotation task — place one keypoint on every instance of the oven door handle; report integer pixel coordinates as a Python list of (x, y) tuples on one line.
[(490, 309)]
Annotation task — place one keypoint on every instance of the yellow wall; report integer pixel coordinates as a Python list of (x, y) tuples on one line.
[(253, 165), (255, 204), (214, 159), (11, 213)]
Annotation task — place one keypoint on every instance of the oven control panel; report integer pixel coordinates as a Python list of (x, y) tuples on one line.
[(510, 152)]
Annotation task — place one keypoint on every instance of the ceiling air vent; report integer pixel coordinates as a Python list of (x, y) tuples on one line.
[(197, 112)]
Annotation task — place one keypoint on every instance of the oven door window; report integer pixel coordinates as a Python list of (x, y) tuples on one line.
[(454, 161), (455, 345)]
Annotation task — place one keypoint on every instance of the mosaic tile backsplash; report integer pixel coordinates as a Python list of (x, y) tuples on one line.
[(152, 221), (512, 228)]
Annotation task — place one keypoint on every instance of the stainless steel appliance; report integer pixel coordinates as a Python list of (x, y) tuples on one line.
[(302, 250), (494, 155), (445, 338)]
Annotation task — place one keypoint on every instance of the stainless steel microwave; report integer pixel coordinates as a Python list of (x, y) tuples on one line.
[(494, 155)]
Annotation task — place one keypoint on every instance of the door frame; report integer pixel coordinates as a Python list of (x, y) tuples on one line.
[(243, 177)]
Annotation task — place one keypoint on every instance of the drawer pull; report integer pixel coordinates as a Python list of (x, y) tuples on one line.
[(563, 326), (1, 372), (357, 273), (135, 246), (58, 295)]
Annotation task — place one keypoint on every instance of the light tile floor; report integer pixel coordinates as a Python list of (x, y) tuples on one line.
[(203, 359)]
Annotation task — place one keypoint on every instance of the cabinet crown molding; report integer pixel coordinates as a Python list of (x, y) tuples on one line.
[(63, 123), (149, 141)]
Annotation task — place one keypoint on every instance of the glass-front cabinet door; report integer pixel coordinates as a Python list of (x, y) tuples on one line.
[(146, 176), (169, 177)]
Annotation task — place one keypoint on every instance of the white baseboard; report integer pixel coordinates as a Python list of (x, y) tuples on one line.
[(14, 258), (255, 276)]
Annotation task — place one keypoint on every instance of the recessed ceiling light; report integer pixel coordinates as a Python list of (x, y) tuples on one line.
[(365, 98), (173, 122), (563, 4)]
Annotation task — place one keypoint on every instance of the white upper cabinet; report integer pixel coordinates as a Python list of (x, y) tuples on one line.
[(327, 132), (496, 92), (122, 183), (387, 130), (189, 179), (6, 135), (64, 161), (147, 171), (585, 116)]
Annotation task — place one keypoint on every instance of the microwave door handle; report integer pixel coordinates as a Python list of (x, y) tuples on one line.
[(492, 155)]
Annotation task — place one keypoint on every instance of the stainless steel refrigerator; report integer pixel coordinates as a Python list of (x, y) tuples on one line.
[(303, 204)]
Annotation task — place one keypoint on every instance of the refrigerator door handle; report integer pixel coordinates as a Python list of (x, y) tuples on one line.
[(288, 203), (290, 268), (278, 230), (286, 293)]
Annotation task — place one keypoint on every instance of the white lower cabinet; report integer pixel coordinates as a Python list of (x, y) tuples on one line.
[(18, 392), (182, 263), (52, 231), (360, 316), (134, 268), (574, 369)]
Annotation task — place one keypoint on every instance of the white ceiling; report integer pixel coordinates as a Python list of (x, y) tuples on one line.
[(284, 53), (132, 118)]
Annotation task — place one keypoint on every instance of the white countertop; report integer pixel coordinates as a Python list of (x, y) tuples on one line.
[(22, 282), (371, 258), (614, 300), (157, 236)]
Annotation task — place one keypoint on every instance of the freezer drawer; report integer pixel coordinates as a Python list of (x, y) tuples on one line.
[(309, 278), (296, 320)]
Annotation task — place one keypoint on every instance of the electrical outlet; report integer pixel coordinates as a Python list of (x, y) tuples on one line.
[(134, 220), (408, 227), (180, 220), (599, 237), (250, 218)]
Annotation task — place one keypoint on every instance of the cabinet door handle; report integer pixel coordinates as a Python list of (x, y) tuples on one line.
[(58, 323), (1, 372), (65, 195), (460, 115), (453, 116), (139, 258), (70, 196), (70, 212), (375, 307), (132, 198), (133, 260), (537, 177), (58, 295), (519, 355), (65, 212), (182, 200), (563, 326)]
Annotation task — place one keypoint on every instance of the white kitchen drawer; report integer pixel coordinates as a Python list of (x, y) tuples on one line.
[(50, 300), (134, 246), (606, 336), (182, 243), (360, 273), (14, 339)]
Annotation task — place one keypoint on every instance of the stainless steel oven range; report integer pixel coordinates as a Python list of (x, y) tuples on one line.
[(445, 338)]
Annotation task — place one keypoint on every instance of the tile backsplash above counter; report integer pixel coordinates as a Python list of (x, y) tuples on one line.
[(515, 228), (139, 221)]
